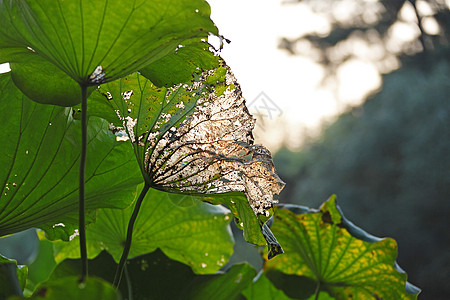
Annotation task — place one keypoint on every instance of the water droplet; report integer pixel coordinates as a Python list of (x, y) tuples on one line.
[(242, 224), (196, 10), (75, 234), (227, 218), (59, 225), (50, 123), (129, 110), (203, 265), (206, 254), (26, 152), (14, 184)]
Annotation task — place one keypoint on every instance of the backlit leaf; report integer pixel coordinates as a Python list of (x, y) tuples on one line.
[(195, 138), (177, 67), (43, 82), (99, 41), (319, 246), (39, 166)]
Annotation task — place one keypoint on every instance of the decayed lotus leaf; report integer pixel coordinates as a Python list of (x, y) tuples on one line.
[(211, 150)]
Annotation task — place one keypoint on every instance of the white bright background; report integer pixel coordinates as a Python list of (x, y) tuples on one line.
[(292, 83)]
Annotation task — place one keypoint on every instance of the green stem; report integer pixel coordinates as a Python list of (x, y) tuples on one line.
[(130, 287), (317, 292), (127, 247), (81, 204)]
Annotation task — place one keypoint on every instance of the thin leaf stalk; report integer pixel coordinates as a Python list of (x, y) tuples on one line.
[(81, 202), (127, 246), (317, 292)]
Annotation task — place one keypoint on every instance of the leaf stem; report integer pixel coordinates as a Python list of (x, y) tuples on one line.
[(317, 292), (129, 284), (127, 246), (81, 204)]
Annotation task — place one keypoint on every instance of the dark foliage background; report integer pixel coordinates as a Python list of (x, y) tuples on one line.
[(387, 160)]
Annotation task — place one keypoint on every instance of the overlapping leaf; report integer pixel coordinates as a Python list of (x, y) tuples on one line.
[(196, 234), (39, 165), (12, 277), (319, 246), (155, 276), (104, 40), (70, 288), (262, 288)]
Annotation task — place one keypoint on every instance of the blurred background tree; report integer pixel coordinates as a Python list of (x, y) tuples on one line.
[(388, 160), (383, 32)]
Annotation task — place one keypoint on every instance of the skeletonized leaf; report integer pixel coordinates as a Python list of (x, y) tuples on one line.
[(319, 246), (195, 138)]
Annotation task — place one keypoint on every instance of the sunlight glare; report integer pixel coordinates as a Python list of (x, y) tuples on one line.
[(4, 68)]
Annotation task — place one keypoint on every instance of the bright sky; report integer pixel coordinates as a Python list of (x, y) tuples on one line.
[(283, 91), (291, 82)]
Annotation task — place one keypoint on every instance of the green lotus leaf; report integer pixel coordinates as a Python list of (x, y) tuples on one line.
[(43, 265), (262, 288), (70, 288), (192, 58), (155, 276), (196, 138), (12, 277), (320, 247), (39, 167), (43, 82), (197, 234), (95, 42)]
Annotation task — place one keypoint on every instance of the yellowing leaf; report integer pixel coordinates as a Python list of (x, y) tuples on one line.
[(319, 246)]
